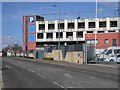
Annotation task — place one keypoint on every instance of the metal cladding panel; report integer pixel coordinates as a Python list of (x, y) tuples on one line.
[(102, 36), (31, 29), (31, 37), (31, 32), (31, 45)]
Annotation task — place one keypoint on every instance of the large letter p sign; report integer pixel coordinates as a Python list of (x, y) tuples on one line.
[(31, 19)]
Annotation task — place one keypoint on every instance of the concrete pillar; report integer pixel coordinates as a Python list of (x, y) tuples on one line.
[(46, 26)]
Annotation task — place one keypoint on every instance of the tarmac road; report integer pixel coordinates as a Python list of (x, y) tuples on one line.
[(38, 74)]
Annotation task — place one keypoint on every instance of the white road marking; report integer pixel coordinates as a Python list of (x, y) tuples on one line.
[(30, 70), (58, 84), (24, 67), (9, 67), (68, 75), (71, 87), (104, 65), (41, 76)]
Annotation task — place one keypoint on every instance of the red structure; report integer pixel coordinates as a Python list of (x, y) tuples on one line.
[(104, 39), (29, 31)]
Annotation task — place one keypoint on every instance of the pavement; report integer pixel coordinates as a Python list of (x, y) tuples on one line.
[(30, 73)]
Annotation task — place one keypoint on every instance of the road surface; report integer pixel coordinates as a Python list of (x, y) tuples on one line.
[(37, 74)]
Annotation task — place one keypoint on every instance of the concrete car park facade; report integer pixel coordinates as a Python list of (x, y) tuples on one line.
[(39, 33)]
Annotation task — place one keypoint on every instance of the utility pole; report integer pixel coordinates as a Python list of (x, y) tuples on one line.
[(77, 27), (58, 31), (95, 25)]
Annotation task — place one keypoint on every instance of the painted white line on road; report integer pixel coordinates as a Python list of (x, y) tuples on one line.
[(58, 84), (103, 65), (68, 75), (30, 70), (41, 76), (71, 87), (24, 67), (7, 66)]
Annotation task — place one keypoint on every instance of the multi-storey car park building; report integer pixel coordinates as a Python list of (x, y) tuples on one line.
[(38, 32)]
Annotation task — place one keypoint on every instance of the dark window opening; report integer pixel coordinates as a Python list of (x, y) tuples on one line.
[(49, 35), (114, 42), (79, 34), (100, 31), (41, 26), (39, 18), (102, 24), (39, 35), (112, 31), (51, 26), (61, 26), (70, 25), (113, 23), (81, 25), (91, 24), (69, 34), (61, 35), (89, 31)]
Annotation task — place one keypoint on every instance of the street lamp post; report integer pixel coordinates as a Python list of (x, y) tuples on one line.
[(95, 30), (77, 28), (58, 31)]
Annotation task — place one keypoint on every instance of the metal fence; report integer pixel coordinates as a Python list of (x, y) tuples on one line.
[(68, 53)]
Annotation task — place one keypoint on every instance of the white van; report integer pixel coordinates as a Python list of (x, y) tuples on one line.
[(116, 58), (109, 52)]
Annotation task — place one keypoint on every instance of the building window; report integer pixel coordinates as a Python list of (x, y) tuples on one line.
[(51, 26), (60, 25), (41, 26), (79, 34), (88, 41), (100, 31), (114, 42), (102, 24), (70, 25), (61, 35), (106, 41), (49, 35), (89, 31), (81, 25), (113, 23), (111, 31), (39, 35), (91, 24), (69, 34), (92, 41)]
